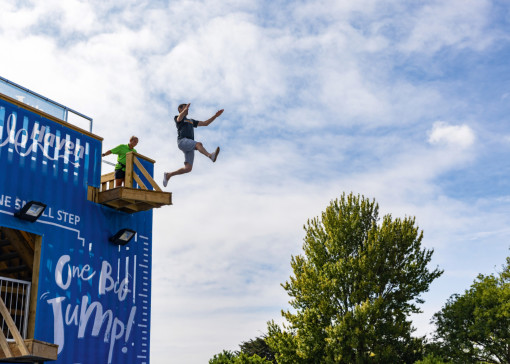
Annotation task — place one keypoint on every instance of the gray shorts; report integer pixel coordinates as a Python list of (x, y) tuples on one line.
[(188, 148)]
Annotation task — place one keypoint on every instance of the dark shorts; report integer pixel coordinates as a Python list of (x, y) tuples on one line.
[(120, 174)]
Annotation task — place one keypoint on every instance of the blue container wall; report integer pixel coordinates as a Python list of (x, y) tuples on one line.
[(93, 297)]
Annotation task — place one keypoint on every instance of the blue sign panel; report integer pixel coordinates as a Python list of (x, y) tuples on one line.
[(93, 296)]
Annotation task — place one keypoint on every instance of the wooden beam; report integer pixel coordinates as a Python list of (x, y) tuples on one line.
[(147, 175), (92, 193), (20, 245), (128, 181), (17, 269), (12, 327), (4, 345), (150, 196), (39, 352), (28, 238), (34, 287), (108, 177), (7, 248), (144, 157), (8, 256), (139, 181), (124, 193)]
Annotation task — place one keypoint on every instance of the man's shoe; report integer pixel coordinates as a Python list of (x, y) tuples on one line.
[(165, 179), (215, 154)]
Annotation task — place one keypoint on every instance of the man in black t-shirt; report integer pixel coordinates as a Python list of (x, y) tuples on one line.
[(186, 140)]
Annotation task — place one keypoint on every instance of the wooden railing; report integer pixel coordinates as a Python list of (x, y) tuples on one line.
[(139, 193), (20, 343), (132, 159)]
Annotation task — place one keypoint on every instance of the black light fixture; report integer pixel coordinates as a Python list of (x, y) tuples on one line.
[(122, 237), (31, 211)]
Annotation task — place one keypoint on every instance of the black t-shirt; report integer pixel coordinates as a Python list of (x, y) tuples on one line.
[(185, 128)]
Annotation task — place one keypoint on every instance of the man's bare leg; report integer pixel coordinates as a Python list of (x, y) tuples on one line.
[(199, 146), (186, 169), (211, 156)]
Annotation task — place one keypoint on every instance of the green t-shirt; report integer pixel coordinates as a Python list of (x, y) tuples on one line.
[(121, 151)]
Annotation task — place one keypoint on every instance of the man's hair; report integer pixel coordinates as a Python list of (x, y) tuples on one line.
[(133, 137), (181, 106)]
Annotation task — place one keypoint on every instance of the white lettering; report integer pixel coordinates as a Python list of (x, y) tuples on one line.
[(89, 317), (74, 315), (58, 322), (81, 273), (5, 201), (46, 212), (58, 272), (41, 138), (106, 283), (99, 318), (117, 332)]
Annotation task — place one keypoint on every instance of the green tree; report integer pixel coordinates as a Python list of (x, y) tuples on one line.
[(258, 346), (475, 327), (225, 357), (354, 289), (431, 359), (229, 357)]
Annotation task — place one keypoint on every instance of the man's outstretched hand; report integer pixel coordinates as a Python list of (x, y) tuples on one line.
[(218, 113)]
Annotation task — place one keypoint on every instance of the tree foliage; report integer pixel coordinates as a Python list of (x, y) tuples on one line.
[(258, 346), (475, 327), (229, 357), (354, 288), (431, 359)]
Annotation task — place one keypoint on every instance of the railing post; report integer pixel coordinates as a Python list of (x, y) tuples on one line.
[(129, 170)]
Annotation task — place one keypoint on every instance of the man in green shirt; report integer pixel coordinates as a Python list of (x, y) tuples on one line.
[(121, 151)]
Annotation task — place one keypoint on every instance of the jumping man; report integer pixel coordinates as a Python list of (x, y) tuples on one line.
[(186, 140)]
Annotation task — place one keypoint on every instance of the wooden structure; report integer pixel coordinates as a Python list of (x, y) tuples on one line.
[(129, 198), (19, 259)]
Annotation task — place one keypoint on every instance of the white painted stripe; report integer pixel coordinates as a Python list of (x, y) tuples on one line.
[(134, 279)]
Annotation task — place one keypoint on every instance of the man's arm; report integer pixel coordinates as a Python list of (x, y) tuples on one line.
[(112, 151), (183, 113), (208, 121)]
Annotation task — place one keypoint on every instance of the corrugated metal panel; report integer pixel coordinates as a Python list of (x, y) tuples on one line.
[(93, 296)]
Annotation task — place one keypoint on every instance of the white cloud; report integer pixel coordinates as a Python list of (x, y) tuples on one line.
[(457, 23), (227, 59), (316, 104), (452, 135)]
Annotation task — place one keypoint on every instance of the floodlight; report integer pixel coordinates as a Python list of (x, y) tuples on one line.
[(122, 237), (31, 211)]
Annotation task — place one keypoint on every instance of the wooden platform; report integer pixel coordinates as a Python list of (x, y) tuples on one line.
[(131, 200), (38, 352)]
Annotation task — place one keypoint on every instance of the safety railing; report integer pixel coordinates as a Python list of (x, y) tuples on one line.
[(16, 296), (43, 103), (137, 175)]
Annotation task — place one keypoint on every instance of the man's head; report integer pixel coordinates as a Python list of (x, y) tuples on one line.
[(182, 107), (133, 141)]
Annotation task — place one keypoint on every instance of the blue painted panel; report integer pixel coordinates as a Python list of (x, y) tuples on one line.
[(93, 297)]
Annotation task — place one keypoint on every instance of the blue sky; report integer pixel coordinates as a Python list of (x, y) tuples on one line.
[(403, 102)]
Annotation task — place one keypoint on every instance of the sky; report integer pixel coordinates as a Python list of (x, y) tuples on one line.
[(403, 102)]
